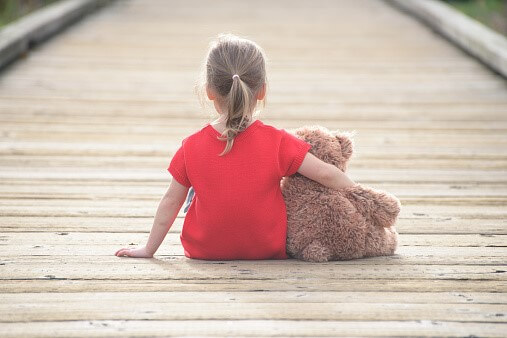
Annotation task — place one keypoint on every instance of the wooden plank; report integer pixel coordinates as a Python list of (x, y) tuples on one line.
[(221, 297), (405, 255), (63, 285), (116, 310), (124, 268), (327, 328)]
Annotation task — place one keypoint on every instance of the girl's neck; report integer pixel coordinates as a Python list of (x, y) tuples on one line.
[(219, 124)]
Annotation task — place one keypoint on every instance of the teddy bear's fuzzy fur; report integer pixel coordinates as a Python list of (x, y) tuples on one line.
[(325, 224)]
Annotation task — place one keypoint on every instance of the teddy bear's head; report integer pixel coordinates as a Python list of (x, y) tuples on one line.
[(330, 146)]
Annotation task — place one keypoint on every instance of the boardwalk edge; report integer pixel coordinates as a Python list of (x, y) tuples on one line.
[(23, 34), (472, 36)]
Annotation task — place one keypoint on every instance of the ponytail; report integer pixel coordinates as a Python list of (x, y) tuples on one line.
[(239, 105)]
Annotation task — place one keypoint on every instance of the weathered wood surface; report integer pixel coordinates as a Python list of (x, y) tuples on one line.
[(89, 122)]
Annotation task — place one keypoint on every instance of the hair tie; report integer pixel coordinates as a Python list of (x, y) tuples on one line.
[(234, 76)]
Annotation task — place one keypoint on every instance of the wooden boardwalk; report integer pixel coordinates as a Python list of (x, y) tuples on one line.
[(89, 122)]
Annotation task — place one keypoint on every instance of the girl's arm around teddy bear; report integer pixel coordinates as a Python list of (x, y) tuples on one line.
[(167, 211), (324, 173)]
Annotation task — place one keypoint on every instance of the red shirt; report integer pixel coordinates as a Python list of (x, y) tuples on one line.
[(238, 211)]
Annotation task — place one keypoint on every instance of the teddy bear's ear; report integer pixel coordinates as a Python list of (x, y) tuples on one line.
[(346, 142)]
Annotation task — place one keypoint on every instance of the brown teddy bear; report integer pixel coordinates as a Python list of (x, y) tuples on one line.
[(325, 224)]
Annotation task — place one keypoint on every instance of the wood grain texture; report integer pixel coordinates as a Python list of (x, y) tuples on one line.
[(89, 122)]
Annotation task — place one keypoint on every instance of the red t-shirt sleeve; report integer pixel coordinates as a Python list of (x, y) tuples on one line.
[(291, 153), (178, 169)]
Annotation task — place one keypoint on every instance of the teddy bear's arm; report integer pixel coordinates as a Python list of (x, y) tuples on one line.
[(382, 207), (324, 173)]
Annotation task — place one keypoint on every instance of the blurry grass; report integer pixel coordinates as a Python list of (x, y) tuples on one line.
[(11, 10), (492, 13)]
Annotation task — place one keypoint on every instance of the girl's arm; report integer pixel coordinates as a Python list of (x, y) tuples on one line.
[(167, 211), (324, 173)]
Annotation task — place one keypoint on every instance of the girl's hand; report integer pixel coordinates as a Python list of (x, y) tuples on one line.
[(138, 252)]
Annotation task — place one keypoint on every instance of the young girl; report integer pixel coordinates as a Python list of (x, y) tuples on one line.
[(234, 165)]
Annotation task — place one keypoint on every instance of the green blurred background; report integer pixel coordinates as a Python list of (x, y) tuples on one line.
[(492, 13), (10, 10)]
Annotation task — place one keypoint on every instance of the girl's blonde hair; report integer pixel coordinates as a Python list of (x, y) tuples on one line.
[(229, 55)]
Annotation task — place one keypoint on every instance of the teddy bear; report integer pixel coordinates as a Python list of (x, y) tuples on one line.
[(325, 224)]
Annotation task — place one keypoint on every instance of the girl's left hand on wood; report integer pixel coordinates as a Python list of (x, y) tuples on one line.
[(138, 252)]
